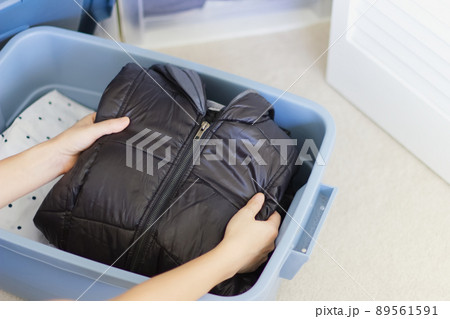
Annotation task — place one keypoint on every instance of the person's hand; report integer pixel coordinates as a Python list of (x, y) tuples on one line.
[(70, 143), (247, 240)]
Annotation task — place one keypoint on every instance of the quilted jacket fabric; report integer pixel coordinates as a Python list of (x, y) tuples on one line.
[(137, 200)]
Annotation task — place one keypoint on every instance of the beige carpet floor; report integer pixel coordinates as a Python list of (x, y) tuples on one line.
[(389, 225)]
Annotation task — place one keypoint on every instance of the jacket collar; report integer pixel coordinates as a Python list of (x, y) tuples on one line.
[(248, 106), (190, 82)]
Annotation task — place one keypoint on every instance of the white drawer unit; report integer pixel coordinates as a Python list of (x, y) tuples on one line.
[(391, 59)]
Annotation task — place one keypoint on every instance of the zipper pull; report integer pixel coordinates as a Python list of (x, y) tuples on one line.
[(201, 130)]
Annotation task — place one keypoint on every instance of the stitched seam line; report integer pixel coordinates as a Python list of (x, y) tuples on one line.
[(216, 191), (281, 170), (169, 254), (100, 222), (242, 121), (143, 150), (268, 140)]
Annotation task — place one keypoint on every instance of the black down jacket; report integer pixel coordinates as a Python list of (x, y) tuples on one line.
[(141, 185)]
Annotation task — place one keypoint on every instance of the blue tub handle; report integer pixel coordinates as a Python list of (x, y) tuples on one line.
[(308, 232)]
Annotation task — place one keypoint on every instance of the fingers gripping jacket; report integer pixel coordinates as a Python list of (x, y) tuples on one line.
[(173, 210)]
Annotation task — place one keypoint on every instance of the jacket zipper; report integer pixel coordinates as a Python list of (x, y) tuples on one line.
[(161, 205), (203, 127)]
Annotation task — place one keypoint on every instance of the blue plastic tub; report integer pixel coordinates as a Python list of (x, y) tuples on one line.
[(19, 15), (80, 66)]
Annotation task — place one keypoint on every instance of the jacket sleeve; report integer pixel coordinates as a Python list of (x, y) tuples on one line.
[(118, 91), (276, 188)]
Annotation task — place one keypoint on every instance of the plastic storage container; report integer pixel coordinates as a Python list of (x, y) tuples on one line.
[(158, 23), (19, 15), (80, 66)]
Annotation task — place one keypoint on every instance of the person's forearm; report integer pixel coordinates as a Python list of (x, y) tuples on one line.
[(24, 172), (189, 281)]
